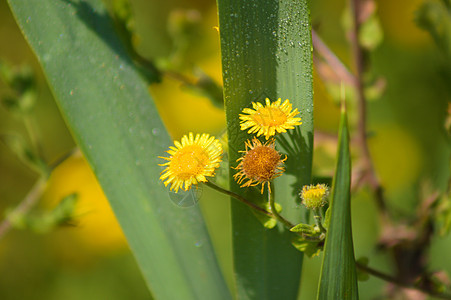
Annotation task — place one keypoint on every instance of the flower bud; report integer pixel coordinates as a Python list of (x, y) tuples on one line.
[(314, 196)]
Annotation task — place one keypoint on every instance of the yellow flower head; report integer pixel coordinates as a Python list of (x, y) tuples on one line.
[(259, 165), (314, 196), (191, 160), (269, 119)]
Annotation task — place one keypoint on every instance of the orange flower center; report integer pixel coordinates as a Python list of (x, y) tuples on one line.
[(269, 116), (189, 161), (260, 163)]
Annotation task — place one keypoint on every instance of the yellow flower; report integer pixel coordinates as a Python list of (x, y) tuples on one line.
[(269, 119), (191, 161), (314, 196), (259, 165)]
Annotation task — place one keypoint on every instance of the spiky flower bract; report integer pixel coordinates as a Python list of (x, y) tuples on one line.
[(191, 161), (314, 196), (260, 164), (269, 119)]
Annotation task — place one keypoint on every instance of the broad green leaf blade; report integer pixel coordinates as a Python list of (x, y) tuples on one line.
[(266, 52), (338, 275), (115, 123)]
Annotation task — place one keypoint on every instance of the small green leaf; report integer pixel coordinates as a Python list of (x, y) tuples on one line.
[(371, 34), (310, 248), (21, 82), (22, 149), (338, 272), (44, 221), (435, 17), (304, 228), (443, 215), (268, 222)]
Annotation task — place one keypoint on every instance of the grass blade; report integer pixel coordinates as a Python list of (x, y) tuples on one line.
[(115, 123), (338, 275), (266, 52)]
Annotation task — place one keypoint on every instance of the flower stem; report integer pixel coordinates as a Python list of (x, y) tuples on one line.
[(272, 214), (278, 217), (239, 198), (318, 219)]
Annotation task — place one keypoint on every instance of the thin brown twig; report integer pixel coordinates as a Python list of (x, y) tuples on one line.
[(370, 174), (401, 283), (179, 77), (27, 203), (332, 60), (340, 69)]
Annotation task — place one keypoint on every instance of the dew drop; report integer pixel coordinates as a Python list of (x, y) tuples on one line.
[(156, 131)]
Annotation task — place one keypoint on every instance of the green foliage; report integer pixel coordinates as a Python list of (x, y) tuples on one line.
[(371, 34), (25, 153), (43, 222), (338, 274), (21, 83), (266, 53), (101, 83), (435, 17), (114, 121), (311, 248)]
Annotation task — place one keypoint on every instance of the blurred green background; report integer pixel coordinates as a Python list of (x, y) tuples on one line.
[(90, 258)]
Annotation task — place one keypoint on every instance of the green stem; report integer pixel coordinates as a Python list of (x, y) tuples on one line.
[(278, 217), (27, 203), (239, 198), (272, 214), (318, 219), (30, 125)]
